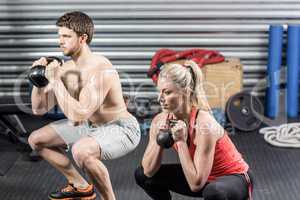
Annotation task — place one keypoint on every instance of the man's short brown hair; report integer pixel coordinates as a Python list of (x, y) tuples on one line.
[(79, 22)]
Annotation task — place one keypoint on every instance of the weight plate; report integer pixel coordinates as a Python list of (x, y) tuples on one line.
[(242, 110)]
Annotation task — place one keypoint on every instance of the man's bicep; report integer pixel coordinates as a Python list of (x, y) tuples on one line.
[(92, 96)]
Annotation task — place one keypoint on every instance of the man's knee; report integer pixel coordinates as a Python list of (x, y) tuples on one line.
[(140, 177), (44, 137), (35, 140), (214, 192), (85, 152), (79, 155), (83, 156)]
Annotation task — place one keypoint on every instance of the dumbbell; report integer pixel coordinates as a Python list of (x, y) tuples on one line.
[(164, 139), (36, 74)]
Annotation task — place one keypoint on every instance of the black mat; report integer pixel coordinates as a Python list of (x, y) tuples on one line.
[(276, 172), (8, 155)]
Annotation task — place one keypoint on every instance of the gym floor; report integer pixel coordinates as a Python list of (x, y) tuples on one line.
[(276, 170)]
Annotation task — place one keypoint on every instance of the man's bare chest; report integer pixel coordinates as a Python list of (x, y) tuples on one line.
[(74, 80)]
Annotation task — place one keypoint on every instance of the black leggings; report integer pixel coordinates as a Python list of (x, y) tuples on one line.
[(170, 177)]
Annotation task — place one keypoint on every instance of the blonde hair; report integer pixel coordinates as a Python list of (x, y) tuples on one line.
[(189, 76)]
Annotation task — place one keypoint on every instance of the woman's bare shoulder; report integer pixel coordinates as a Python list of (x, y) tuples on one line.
[(208, 124), (160, 117)]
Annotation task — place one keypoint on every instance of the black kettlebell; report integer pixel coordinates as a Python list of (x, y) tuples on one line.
[(36, 74), (164, 139)]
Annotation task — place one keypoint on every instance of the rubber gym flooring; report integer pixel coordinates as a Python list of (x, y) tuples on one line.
[(276, 170)]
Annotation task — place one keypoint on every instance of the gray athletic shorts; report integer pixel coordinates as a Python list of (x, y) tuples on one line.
[(116, 138)]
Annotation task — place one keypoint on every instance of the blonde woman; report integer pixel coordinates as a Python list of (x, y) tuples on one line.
[(210, 165)]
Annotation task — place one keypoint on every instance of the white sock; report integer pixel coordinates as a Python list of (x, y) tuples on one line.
[(81, 185)]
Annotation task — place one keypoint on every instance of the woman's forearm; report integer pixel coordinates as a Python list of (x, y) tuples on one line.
[(188, 166), (152, 159)]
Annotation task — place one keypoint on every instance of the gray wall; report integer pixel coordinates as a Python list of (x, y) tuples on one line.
[(129, 32)]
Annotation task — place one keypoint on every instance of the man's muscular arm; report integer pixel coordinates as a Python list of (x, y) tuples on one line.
[(91, 96)]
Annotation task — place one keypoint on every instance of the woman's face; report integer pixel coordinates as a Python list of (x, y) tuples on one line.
[(171, 98)]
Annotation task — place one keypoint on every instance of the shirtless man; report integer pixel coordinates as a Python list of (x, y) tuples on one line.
[(97, 125)]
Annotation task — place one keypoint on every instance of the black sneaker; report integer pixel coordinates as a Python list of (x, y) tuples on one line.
[(72, 193)]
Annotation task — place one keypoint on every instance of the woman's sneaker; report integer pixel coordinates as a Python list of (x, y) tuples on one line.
[(72, 193)]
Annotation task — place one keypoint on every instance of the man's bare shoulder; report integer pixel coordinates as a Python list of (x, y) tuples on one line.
[(101, 70), (100, 65), (102, 62)]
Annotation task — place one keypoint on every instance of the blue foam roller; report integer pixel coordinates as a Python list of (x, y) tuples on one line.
[(292, 70), (273, 70)]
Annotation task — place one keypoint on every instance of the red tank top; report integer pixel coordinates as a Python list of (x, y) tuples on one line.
[(227, 159)]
